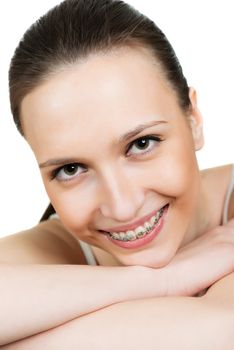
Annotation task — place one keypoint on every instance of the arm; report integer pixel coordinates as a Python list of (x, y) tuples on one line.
[(42, 284), (35, 298), (37, 295), (163, 323), (58, 294)]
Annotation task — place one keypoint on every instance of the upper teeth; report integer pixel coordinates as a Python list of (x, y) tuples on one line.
[(139, 232)]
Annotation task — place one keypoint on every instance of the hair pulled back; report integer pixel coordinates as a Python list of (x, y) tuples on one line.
[(75, 29)]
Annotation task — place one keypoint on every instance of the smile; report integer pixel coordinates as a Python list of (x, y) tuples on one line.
[(140, 231)]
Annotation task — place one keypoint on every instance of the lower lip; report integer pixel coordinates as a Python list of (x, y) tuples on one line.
[(140, 242)]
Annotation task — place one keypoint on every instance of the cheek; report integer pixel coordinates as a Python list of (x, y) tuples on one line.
[(175, 173), (75, 209)]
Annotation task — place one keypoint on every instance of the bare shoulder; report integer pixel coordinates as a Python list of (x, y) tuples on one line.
[(219, 175), (46, 243), (218, 178)]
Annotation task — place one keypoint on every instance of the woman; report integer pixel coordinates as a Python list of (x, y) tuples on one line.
[(98, 92)]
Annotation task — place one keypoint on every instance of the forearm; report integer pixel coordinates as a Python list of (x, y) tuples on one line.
[(35, 298), (162, 323)]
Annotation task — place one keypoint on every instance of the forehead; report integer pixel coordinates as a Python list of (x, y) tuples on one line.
[(104, 95)]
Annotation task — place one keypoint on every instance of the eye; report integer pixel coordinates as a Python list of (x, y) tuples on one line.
[(143, 145), (68, 172)]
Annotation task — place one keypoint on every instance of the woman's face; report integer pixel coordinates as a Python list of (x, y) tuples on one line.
[(117, 155)]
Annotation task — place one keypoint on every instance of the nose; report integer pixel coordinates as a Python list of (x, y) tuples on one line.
[(122, 197)]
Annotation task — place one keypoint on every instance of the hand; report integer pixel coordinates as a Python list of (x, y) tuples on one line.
[(202, 262)]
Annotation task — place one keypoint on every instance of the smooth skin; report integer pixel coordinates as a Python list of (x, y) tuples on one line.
[(162, 324), (114, 182), (98, 177), (197, 319)]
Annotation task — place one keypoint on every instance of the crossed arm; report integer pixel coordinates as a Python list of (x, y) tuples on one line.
[(125, 307), (163, 323)]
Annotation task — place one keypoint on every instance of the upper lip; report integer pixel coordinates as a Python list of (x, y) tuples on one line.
[(133, 225)]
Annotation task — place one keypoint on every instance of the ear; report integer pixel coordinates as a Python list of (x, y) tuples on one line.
[(195, 121)]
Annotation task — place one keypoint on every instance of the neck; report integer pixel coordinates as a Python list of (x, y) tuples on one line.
[(204, 217)]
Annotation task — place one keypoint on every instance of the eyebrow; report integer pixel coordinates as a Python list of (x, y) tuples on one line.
[(128, 135), (137, 130)]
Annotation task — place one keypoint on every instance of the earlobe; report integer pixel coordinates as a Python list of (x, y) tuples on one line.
[(195, 121)]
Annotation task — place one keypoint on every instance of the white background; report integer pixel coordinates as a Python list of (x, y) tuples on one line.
[(201, 32)]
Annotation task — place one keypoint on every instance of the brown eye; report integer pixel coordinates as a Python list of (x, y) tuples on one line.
[(143, 145), (70, 169), (68, 172)]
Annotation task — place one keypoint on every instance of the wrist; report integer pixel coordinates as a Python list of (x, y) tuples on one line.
[(149, 282)]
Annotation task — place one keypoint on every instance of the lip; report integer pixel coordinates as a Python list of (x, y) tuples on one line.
[(133, 225), (140, 242)]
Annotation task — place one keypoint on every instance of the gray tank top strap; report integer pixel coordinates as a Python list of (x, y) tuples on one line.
[(90, 259), (228, 196)]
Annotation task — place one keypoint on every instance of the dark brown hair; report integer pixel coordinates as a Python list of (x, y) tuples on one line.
[(77, 28)]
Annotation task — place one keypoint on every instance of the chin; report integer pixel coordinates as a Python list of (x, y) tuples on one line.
[(147, 259)]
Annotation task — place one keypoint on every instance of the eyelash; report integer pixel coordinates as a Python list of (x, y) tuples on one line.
[(55, 172), (148, 138)]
